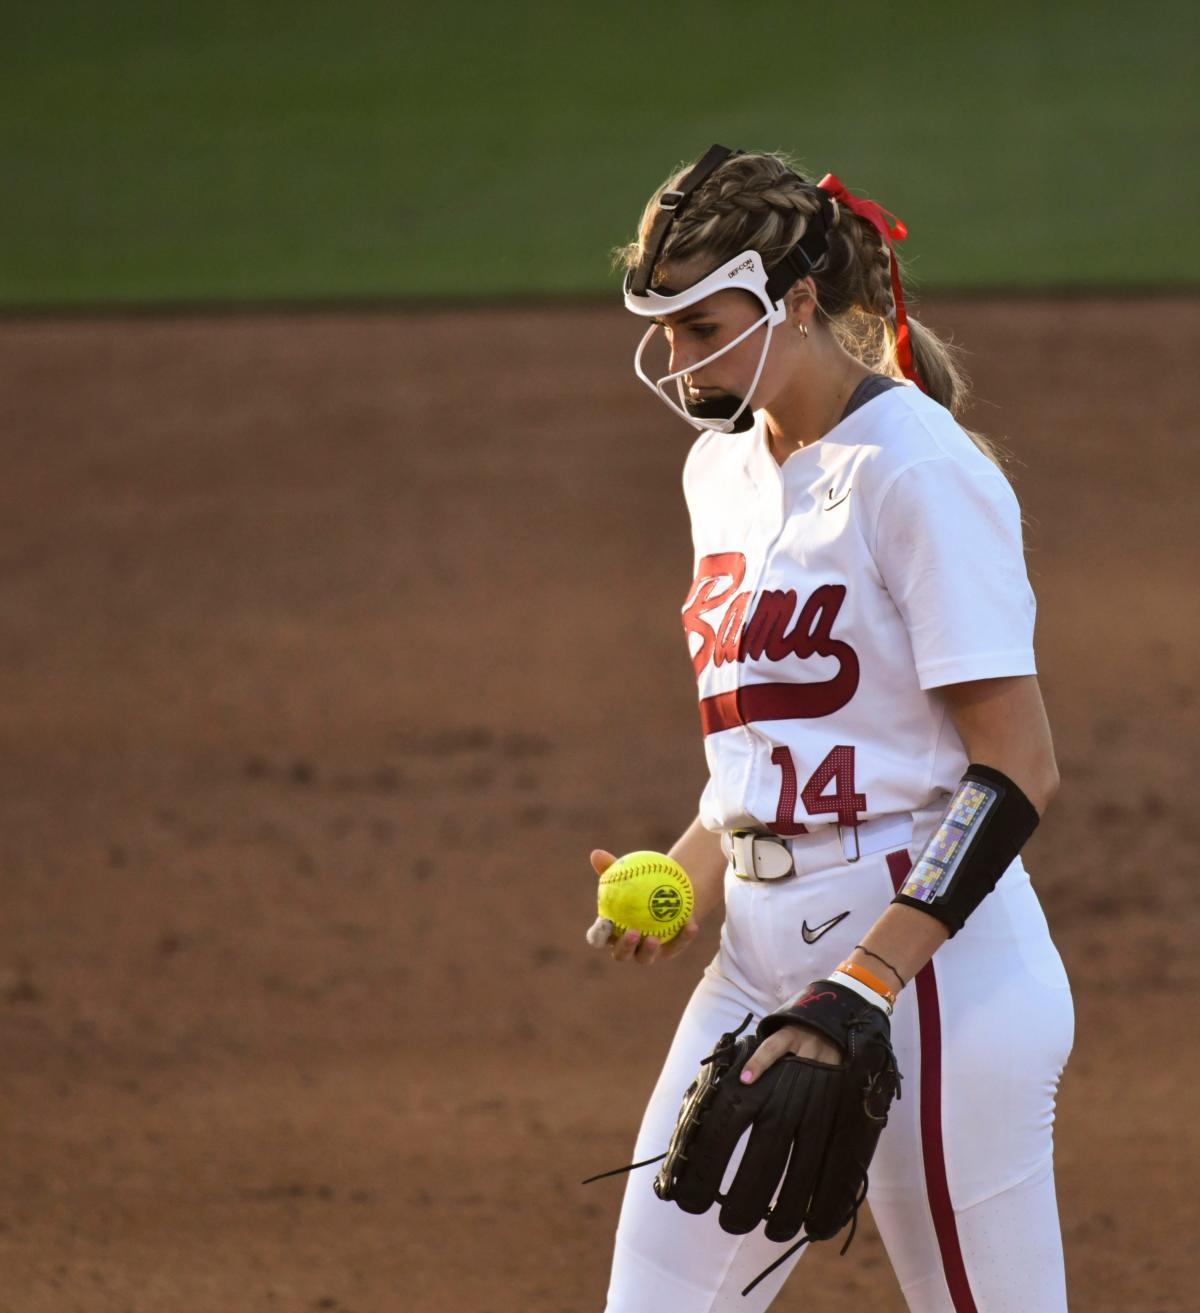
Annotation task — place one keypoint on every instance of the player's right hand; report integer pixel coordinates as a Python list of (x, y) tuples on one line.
[(644, 949)]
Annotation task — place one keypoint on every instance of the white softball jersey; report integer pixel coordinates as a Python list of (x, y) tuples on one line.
[(831, 596)]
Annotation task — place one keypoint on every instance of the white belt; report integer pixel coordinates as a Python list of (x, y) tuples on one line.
[(757, 855)]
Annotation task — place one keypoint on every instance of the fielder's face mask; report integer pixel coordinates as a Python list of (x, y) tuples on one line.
[(745, 272)]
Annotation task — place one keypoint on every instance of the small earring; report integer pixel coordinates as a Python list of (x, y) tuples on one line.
[(803, 329)]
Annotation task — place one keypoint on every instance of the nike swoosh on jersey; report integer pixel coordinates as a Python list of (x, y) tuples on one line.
[(811, 936), (830, 503)]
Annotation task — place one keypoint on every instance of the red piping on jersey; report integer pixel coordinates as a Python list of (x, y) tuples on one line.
[(932, 1148), (891, 232)]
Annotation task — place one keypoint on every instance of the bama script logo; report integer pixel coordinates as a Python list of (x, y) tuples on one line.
[(780, 629)]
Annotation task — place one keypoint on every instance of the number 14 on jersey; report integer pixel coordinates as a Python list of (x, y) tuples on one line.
[(837, 769)]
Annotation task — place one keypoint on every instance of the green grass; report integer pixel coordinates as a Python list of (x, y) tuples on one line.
[(188, 151)]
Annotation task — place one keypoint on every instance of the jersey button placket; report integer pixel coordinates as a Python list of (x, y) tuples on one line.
[(772, 499)]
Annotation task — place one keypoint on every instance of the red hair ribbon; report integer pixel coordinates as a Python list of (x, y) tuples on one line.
[(891, 230)]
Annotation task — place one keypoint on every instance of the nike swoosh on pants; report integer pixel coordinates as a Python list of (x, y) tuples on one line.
[(811, 936)]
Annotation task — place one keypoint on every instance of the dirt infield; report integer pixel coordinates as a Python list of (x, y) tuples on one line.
[(330, 645)]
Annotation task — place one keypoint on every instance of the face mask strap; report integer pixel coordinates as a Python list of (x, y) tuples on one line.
[(670, 203), (808, 252)]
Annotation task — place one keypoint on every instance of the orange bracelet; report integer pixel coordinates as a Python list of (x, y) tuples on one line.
[(870, 979)]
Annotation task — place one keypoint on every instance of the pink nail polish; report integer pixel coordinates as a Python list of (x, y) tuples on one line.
[(747, 1077)]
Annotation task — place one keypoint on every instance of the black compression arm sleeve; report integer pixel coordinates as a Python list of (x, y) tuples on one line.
[(986, 825)]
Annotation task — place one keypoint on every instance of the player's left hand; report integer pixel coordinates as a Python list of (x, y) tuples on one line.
[(814, 1123), (800, 1040), (643, 949)]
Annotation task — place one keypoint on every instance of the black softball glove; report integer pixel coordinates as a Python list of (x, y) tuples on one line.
[(814, 1127)]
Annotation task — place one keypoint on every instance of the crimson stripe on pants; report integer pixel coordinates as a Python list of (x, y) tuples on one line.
[(932, 1149)]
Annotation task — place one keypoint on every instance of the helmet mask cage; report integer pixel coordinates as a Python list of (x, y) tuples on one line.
[(746, 271), (727, 413)]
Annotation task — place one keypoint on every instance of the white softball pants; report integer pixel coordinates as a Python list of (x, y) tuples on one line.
[(962, 1184)]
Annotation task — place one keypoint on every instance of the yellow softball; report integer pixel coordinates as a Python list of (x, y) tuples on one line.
[(648, 892)]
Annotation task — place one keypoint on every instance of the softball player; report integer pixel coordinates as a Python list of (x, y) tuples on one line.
[(860, 623)]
